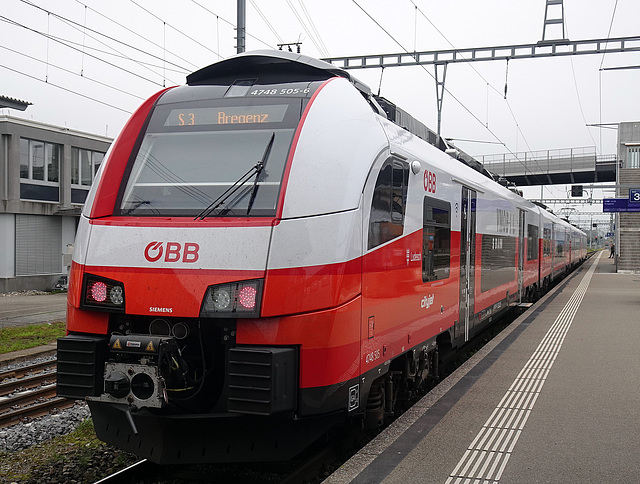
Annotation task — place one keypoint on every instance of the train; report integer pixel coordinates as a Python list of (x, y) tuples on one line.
[(271, 251)]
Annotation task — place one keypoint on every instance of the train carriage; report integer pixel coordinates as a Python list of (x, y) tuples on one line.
[(267, 251)]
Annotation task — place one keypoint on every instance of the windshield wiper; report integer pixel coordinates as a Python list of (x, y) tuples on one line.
[(263, 161), (254, 170), (137, 204)]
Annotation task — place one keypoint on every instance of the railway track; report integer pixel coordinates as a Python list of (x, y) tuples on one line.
[(29, 392)]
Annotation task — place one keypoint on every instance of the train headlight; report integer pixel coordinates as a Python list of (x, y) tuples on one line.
[(101, 293), (221, 298), (233, 300), (98, 291), (116, 295), (247, 297)]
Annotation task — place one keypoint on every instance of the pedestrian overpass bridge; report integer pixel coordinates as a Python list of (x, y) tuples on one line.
[(552, 167)]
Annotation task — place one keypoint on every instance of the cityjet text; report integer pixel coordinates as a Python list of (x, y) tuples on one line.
[(427, 301)]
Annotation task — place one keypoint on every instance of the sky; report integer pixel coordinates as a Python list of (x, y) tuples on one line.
[(87, 64)]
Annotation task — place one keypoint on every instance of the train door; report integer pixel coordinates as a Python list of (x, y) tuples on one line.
[(553, 249), (467, 260), (521, 254)]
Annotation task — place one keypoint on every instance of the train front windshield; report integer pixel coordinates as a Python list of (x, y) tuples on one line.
[(222, 157)]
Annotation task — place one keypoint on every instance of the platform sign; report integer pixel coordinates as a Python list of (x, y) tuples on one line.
[(634, 195), (619, 205)]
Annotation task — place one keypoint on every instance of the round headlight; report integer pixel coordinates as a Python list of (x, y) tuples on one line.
[(99, 291), (247, 297), (221, 298), (116, 295)]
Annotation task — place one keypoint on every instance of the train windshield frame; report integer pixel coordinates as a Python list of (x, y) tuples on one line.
[(192, 152)]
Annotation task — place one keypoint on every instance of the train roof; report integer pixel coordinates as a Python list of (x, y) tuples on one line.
[(273, 66)]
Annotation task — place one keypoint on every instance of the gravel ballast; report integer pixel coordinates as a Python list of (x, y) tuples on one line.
[(58, 448)]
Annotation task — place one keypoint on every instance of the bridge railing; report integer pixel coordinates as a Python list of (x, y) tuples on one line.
[(542, 162)]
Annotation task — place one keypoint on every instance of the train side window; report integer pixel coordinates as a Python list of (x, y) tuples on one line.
[(559, 248), (386, 221), (546, 241), (532, 242), (436, 239)]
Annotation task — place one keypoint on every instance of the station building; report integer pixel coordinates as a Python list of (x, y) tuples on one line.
[(628, 223), (45, 175)]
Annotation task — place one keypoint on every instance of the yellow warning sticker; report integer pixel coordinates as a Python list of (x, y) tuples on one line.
[(117, 345), (150, 347)]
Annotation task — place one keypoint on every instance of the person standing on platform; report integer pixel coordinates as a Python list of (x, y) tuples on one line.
[(613, 251)]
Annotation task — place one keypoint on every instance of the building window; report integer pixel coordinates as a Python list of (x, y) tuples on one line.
[(39, 161), (386, 220), (436, 239), (84, 166), (633, 157)]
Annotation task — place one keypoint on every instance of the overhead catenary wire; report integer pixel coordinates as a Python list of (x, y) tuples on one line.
[(325, 51), (82, 50), (13, 22), (145, 66), (495, 89), (69, 71), (231, 24), (613, 16), (84, 29), (118, 55), (306, 29), (489, 85), (48, 29), (175, 28), (266, 21), (473, 115), (85, 49), (84, 36), (177, 56), (575, 85), (67, 90)]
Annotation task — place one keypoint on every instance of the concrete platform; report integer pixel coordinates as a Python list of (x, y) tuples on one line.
[(555, 398), (21, 310)]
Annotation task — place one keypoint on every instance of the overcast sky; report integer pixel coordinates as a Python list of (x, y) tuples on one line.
[(87, 64)]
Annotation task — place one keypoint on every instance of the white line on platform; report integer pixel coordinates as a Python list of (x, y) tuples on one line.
[(507, 421)]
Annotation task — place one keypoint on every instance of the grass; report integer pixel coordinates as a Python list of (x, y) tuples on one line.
[(48, 461), (17, 338), (17, 466)]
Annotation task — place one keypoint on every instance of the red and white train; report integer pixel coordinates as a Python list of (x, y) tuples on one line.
[(265, 253)]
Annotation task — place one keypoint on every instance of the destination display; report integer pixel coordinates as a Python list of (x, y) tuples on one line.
[(619, 205), (227, 115)]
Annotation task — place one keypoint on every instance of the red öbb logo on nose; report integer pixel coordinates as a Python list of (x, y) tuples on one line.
[(172, 251)]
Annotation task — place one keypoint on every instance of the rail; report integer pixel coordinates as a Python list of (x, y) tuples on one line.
[(29, 392)]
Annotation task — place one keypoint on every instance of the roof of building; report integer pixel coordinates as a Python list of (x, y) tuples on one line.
[(9, 102)]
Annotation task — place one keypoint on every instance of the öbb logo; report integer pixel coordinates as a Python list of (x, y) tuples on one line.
[(429, 181), (172, 251)]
